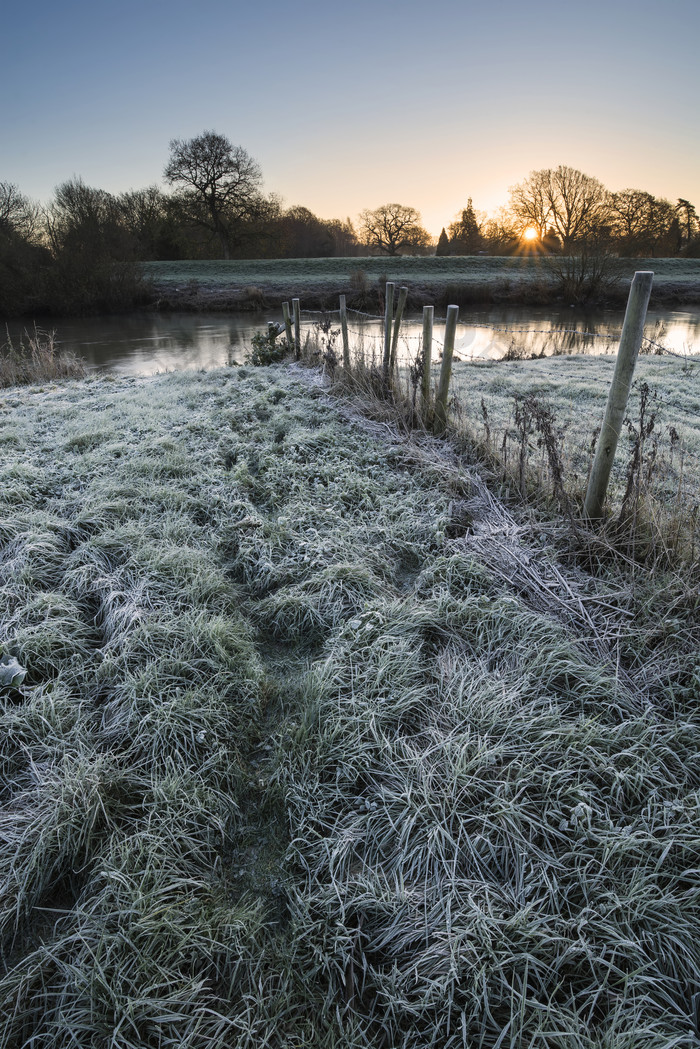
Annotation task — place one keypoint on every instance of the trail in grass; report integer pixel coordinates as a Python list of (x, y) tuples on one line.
[(318, 745)]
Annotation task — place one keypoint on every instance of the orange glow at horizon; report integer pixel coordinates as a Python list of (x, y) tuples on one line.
[(530, 234)]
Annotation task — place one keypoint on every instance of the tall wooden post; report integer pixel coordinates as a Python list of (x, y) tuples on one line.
[(630, 341), (297, 327), (446, 369), (400, 306), (428, 312), (388, 314), (344, 332), (287, 323)]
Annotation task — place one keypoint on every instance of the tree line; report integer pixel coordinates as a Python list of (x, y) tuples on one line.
[(562, 210), (80, 252)]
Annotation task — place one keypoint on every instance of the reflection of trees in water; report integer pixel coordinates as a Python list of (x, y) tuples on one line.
[(586, 342), (544, 342), (534, 332), (143, 343), (550, 332)]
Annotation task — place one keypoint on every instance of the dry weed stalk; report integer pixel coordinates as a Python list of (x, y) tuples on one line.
[(36, 357)]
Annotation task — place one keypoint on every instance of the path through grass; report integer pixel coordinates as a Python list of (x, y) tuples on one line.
[(293, 754)]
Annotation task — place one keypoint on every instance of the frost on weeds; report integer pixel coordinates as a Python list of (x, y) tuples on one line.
[(290, 765)]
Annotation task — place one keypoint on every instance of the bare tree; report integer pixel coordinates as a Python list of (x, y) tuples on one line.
[(529, 204), (587, 272), (344, 236), (93, 253), (501, 234), (561, 199), (221, 182), (392, 227), (640, 222), (82, 217), (18, 214), (142, 212), (24, 262)]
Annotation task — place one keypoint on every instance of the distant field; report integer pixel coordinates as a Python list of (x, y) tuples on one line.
[(321, 271), (409, 267), (576, 389), (231, 284)]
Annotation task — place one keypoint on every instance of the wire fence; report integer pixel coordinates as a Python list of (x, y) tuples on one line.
[(551, 340), (411, 343), (542, 419)]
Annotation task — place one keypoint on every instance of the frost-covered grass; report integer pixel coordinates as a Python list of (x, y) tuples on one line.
[(496, 839), (574, 390), (255, 284), (307, 272), (291, 766), (536, 422)]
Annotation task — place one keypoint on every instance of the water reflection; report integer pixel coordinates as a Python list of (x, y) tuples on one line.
[(143, 344), (493, 334), (498, 333)]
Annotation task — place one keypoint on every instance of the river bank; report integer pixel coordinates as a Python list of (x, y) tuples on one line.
[(306, 738), (240, 285)]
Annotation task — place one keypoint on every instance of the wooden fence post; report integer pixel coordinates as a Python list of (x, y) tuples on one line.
[(630, 341), (287, 323), (400, 306), (427, 353), (446, 369), (344, 331), (388, 314), (297, 328)]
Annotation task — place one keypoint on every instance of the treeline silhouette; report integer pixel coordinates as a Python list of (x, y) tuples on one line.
[(562, 210), (80, 253)]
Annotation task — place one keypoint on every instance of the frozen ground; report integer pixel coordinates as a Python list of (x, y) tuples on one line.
[(305, 740)]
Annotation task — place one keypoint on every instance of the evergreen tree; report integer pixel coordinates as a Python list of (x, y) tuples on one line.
[(443, 244), (465, 233)]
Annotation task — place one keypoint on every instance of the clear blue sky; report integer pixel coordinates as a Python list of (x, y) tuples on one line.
[(355, 105)]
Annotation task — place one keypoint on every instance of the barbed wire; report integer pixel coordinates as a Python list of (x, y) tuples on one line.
[(680, 459), (658, 347), (366, 334), (465, 357), (369, 316)]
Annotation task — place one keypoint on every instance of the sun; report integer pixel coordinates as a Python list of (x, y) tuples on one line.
[(531, 242)]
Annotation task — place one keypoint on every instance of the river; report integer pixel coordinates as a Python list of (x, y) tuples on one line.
[(143, 344)]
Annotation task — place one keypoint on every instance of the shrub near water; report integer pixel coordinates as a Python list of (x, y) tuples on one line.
[(36, 358), (289, 766)]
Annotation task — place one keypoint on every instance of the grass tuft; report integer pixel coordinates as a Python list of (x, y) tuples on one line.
[(319, 745)]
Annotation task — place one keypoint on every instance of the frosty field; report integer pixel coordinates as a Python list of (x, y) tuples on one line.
[(241, 284), (664, 407), (306, 740)]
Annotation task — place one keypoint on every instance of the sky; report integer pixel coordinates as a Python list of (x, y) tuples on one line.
[(350, 106)]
